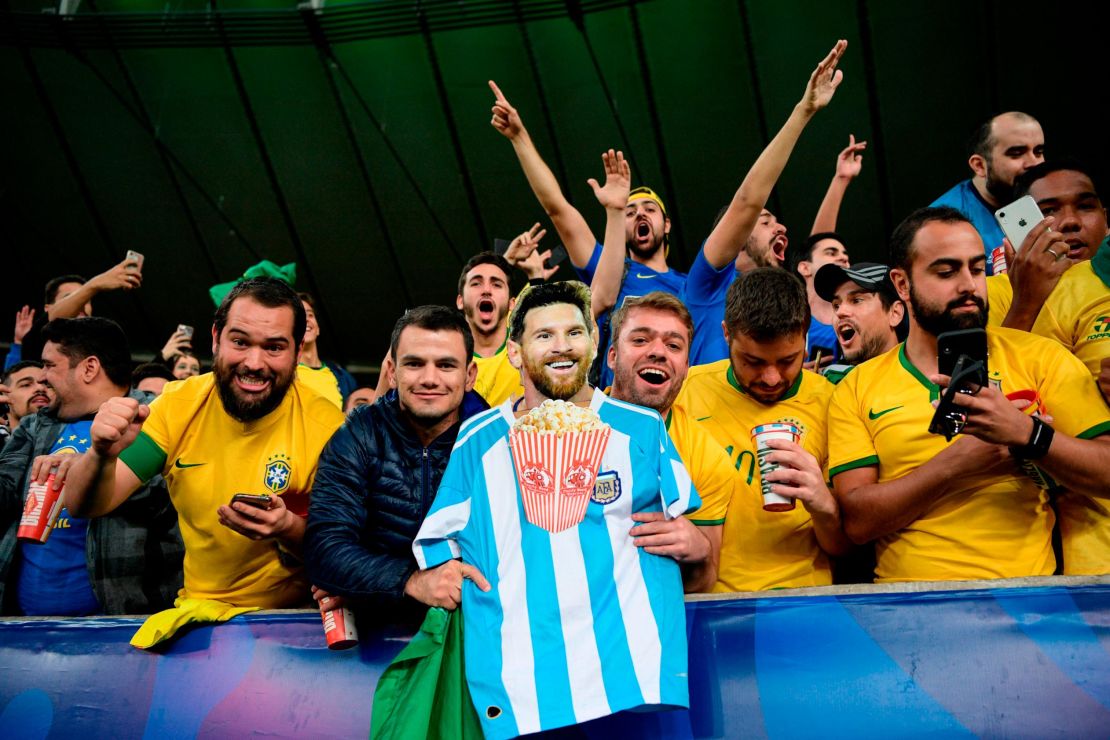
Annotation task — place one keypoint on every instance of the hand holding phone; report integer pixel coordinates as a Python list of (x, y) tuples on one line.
[(134, 261), (1018, 219), (257, 500)]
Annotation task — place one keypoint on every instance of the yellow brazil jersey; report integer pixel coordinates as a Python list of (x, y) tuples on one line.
[(988, 525), (760, 549), (206, 457), (709, 467), (1077, 313), (497, 379), (323, 381), (1000, 296)]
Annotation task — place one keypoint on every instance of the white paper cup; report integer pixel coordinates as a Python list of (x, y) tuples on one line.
[(761, 435)]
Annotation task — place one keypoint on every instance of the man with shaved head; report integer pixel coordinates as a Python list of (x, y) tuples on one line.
[(1001, 149)]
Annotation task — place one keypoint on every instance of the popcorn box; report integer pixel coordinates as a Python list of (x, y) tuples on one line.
[(557, 472)]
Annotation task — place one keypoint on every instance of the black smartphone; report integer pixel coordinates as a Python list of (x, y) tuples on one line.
[(970, 343), (257, 500), (558, 254), (949, 419)]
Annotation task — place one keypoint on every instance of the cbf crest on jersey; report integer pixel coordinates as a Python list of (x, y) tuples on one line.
[(607, 489), (278, 473)]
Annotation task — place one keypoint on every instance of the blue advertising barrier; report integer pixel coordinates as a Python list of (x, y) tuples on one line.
[(987, 662)]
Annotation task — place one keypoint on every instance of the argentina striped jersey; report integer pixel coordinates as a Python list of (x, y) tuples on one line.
[(578, 624)]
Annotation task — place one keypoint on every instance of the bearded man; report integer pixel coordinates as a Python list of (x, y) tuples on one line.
[(248, 427), (967, 508), (584, 584)]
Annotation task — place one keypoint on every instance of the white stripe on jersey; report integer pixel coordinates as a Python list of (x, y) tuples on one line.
[(518, 664), (685, 485), (639, 619), (447, 521), (475, 424), (587, 687)]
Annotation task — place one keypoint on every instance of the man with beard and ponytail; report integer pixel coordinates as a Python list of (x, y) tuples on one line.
[(1000, 150), (965, 509), (247, 427), (746, 235), (607, 607)]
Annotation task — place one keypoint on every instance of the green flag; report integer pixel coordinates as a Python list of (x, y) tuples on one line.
[(423, 692)]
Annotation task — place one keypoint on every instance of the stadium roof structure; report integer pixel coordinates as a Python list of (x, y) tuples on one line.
[(353, 138)]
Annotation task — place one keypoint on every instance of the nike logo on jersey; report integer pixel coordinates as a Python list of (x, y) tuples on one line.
[(182, 465), (872, 415), (645, 277), (703, 418)]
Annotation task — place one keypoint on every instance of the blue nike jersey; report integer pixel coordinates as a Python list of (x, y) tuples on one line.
[(638, 280), (966, 199), (578, 624)]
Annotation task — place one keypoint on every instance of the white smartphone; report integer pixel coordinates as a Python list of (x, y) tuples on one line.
[(1018, 219), (186, 330), (134, 258)]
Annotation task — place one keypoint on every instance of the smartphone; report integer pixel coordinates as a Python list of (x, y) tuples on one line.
[(558, 254), (186, 330), (1018, 219), (257, 500), (134, 261), (970, 343)]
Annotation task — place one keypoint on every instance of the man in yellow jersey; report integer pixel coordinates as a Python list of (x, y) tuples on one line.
[(485, 299), (326, 378), (964, 509), (1074, 225), (762, 382), (649, 355), (248, 427)]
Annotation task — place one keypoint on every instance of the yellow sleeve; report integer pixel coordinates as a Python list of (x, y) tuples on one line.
[(713, 476), (1072, 398), (1048, 325), (850, 443), (1000, 295)]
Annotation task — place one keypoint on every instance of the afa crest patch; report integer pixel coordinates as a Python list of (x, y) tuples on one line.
[(607, 488), (278, 473)]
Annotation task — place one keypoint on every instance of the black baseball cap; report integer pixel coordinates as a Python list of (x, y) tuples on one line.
[(867, 275)]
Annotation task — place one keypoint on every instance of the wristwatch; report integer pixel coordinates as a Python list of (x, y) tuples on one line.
[(1038, 444)]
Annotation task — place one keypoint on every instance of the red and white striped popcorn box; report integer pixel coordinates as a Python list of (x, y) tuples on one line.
[(557, 473)]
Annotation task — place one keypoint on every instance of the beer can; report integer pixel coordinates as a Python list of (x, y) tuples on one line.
[(339, 628), (40, 511)]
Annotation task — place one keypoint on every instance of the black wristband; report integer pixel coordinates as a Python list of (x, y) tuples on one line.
[(536, 281), (1038, 444)]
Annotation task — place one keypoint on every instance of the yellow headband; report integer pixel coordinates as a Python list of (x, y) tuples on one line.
[(641, 193)]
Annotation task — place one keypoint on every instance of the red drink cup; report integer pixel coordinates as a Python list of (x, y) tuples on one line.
[(339, 628), (761, 435), (40, 511)]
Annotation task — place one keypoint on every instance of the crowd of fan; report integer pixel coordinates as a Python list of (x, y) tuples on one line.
[(756, 332)]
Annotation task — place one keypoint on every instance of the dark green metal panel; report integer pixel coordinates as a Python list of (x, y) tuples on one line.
[(355, 138)]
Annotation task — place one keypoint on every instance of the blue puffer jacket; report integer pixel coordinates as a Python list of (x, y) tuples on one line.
[(374, 484)]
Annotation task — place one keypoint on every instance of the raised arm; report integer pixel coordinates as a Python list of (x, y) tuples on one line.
[(119, 277), (572, 228), (613, 197), (848, 165), (735, 226)]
